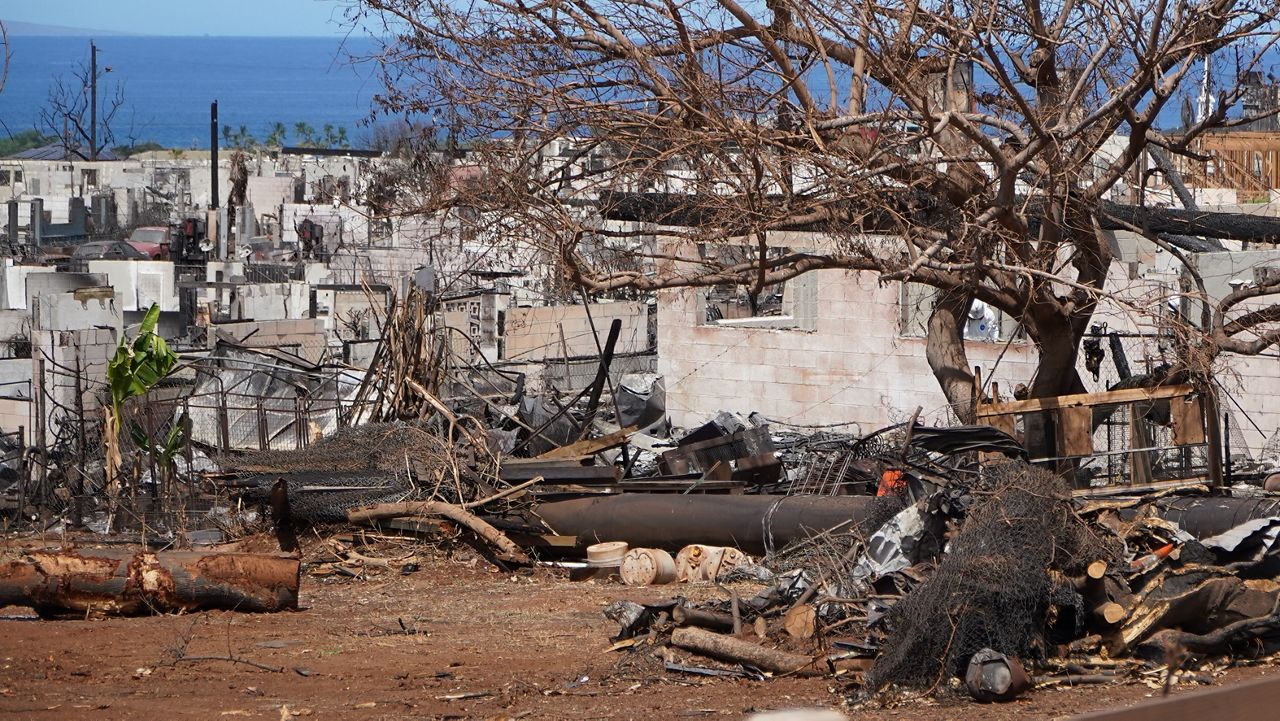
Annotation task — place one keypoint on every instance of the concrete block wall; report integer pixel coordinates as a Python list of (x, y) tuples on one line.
[(45, 281), (1253, 383), (65, 312), (14, 414), (55, 358), (139, 283), (534, 333), (853, 368), (15, 378), (269, 191), (273, 301)]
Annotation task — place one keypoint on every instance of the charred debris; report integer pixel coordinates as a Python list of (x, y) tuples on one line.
[(996, 558)]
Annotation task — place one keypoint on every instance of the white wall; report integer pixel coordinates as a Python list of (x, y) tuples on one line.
[(273, 301), (139, 283)]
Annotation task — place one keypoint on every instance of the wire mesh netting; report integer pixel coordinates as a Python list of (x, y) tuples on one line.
[(998, 586), (357, 466)]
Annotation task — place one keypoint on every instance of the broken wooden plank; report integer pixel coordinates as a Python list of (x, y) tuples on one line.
[(1075, 431), (1188, 422), (591, 446)]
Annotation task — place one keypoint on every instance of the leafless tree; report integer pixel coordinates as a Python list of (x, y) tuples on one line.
[(4, 56), (974, 146), (67, 114)]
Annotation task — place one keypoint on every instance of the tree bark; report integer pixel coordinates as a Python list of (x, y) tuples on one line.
[(119, 583), (945, 351)]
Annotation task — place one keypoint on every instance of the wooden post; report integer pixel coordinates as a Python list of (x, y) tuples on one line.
[(77, 486), (1214, 433)]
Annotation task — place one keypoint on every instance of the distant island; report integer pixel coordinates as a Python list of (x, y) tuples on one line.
[(20, 29)]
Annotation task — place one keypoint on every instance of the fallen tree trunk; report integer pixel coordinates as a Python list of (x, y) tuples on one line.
[(728, 648), (1165, 644), (114, 582), (507, 550)]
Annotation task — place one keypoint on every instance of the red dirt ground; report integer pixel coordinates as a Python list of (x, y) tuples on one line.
[(530, 646)]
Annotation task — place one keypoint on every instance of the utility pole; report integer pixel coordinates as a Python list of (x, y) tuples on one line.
[(93, 101), (213, 155)]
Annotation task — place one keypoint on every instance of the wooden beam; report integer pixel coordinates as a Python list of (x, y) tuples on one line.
[(1128, 395), (592, 446)]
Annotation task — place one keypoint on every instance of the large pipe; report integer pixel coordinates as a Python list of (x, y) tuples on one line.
[(753, 524), (1203, 517)]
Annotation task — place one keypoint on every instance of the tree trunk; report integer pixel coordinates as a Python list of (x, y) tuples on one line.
[(945, 351), (728, 648), (1056, 370), (125, 583)]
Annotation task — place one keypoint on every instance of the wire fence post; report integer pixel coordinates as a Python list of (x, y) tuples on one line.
[(224, 426), (188, 430), (262, 427)]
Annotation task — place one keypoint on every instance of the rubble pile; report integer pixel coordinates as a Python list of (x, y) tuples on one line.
[(1021, 579)]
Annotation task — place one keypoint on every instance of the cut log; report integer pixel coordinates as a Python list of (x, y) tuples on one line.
[(507, 550), (114, 582), (800, 621), (1111, 612), (728, 648), (1097, 569)]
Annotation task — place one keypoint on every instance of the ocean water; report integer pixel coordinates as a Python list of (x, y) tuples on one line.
[(169, 82)]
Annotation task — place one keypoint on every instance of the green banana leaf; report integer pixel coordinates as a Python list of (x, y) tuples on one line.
[(139, 365)]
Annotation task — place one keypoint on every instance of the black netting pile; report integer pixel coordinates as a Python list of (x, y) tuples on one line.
[(389, 447), (995, 587), (364, 465)]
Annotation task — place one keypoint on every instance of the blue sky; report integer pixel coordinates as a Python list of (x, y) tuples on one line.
[(185, 17)]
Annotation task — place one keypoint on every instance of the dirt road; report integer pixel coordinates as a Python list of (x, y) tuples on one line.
[(475, 644)]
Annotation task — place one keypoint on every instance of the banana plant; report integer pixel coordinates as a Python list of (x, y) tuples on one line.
[(136, 367), (139, 365)]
